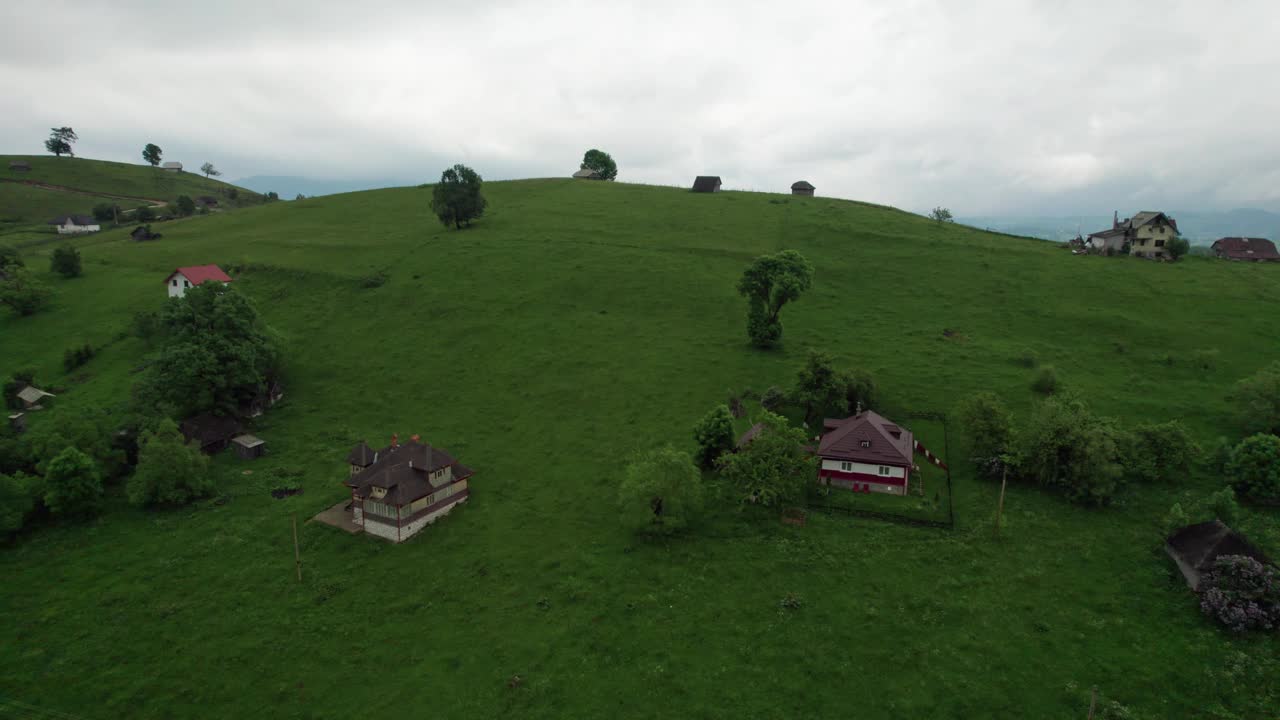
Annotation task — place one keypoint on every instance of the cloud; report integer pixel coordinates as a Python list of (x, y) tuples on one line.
[(986, 107)]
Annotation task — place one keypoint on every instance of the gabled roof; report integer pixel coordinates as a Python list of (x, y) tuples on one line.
[(404, 472), (867, 437), (1195, 548), (801, 185), (33, 394), (1109, 233), (197, 274), (706, 183), (172, 166), (207, 428), (1147, 216), (587, 174), (75, 220), (1246, 248), (362, 455)]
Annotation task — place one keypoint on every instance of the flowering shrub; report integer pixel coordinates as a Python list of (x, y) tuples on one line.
[(1242, 594)]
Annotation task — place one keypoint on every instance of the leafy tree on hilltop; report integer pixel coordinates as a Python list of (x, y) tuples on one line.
[(601, 162), (769, 283), (60, 140), (1257, 400), (209, 170), (772, 469), (169, 472), (714, 435), (21, 292), (151, 153), (940, 215), (72, 485), (660, 493), (65, 261), (456, 199)]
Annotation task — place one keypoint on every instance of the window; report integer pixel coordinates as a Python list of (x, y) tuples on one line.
[(866, 443), (175, 282), (1159, 243), (884, 470), (1161, 229), (846, 467), (186, 284)]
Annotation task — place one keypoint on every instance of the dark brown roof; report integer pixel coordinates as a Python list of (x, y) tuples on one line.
[(801, 185), (1196, 547), (706, 183), (77, 219), (1108, 233), (207, 200), (208, 429), (403, 471), (1146, 216), (867, 437), (361, 455), (1241, 248)]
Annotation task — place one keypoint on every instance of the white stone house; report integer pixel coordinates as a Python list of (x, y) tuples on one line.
[(74, 224), (184, 278)]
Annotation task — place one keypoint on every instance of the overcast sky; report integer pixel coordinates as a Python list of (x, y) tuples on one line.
[(985, 107)]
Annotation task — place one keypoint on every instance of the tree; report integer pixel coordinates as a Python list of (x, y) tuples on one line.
[(144, 214), (169, 472), (151, 153), (60, 140), (1177, 246), (1254, 469), (774, 467), (456, 199), (186, 206), (14, 385), (714, 435), (22, 292), (818, 386), (1257, 400), (1159, 452), (660, 493), (9, 257), (601, 162), (65, 261), (271, 197), (1065, 445), (988, 424), (72, 485), (941, 215), (91, 430), (209, 170), (1241, 593), (17, 501), (217, 354), (105, 212), (769, 283)]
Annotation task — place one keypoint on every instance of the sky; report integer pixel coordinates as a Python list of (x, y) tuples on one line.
[(981, 106)]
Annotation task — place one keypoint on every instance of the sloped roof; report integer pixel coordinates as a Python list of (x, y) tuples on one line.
[(403, 472), (886, 442), (706, 183), (801, 185), (248, 441), (361, 455), (172, 165), (1247, 248), (1146, 216), (33, 394), (75, 220), (200, 273), (207, 428), (1108, 233), (1196, 547), (587, 174)]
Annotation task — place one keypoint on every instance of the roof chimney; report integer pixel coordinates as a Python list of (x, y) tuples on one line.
[(395, 440), (1115, 219)]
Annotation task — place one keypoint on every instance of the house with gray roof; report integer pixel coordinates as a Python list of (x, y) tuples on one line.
[(1143, 235), (172, 166), (802, 187), (706, 184), (400, 489)]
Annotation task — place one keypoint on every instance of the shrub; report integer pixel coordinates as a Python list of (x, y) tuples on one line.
[(22, 292), (72, 485), (989, 426), (73, 358), (185, 205), (233, 193), (144, 214), (1175, 519), (1257, 400), (660, 493), (1063, 444), (1046, 381), (1218, 459), (1223, 506), (65, 261), (9, 257), (773, 398), (169, 471), (374, 280), (773, 468), (1177, 247), (105, 212), (1255, 468), (17, 501), (1028, 358), (1159, 452), (714, 435), (1242, 594)]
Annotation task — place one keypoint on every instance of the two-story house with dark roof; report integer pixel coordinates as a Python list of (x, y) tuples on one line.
[(865, 453), (1143, 235), (400, 489)]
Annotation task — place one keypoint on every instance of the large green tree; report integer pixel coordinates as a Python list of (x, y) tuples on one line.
[(1254, 468), (18, 496), (91, 430), (714, 435), (9, 257), (1257, 400), (209, 170), (169, 471), (601, 162), (769, 283), (73, 487), (661, 492), (65, 261), (60, 140), (772, 469), (1063, 444), (22, 292), (988, 425), (456, 199), (152, 153), (1159, 452)]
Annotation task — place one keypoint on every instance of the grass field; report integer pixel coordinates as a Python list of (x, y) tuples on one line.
[(572, 326)]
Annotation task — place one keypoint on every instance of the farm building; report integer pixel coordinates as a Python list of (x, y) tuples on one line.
[(172, 167), (31, 396), (400, 489), (248, 447), (1247, 249), (207, 201), (19, 166), (1144, 235), (18, 423), (211, 433), (706, 184), (1194, 548), (865, 453), (802, 187), (72, 224), (187, 277), (587, 174), (143, 233)]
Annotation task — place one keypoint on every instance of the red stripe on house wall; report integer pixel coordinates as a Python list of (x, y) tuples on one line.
[(863, 477)]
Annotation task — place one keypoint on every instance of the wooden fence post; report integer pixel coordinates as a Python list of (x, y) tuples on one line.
[(1004, 480), (297, 554), (1093, 701)]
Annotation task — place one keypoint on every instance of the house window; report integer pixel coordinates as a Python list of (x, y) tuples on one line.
[(175, 282), (884, 470), (846, 467), (186, 284), (1161, 229), (866, 443), (1159, 243)]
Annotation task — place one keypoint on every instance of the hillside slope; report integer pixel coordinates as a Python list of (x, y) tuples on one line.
[(573, 325)]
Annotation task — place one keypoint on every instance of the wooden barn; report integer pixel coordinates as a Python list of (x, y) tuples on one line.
[(211, 433), (706, 184), (802, 187), (248, 447)]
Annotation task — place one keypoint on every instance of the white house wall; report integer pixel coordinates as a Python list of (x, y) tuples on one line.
[(894, 472)]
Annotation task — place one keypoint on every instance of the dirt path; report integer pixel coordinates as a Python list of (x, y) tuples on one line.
[(77, 191)]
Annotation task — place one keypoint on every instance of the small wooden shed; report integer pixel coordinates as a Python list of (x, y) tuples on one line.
[(18, 422), (706, 184), (1194, 549), (802, 187), (249, 447), (31, 397)]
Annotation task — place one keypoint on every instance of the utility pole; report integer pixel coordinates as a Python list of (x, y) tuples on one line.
[(297, 554)]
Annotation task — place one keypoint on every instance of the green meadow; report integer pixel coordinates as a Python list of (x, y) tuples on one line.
[(576, 324)]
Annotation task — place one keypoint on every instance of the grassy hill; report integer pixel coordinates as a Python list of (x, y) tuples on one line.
[(25, 206), (578, 323)]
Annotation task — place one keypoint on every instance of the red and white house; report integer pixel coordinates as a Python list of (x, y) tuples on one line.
[(184, 278), (865, 453)]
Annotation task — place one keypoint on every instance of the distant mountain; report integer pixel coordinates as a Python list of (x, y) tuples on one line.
[(1200, 228), (289, 186)]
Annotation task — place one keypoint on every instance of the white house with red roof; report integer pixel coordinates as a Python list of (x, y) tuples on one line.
[(865, 453), (188, 277)]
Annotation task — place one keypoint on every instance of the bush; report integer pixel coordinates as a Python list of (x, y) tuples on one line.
[(18, 495), (22, 292), (1159, 452), (1046, 381), (65, 261), (989, 426), (185, 205), (374, 280), (660, 493), (105, 212), (1222, 505), (73, 358), (1257, 401), (169, 471), (1177, 247), (9, 257), (233, 193), (1028, 358), (1255, 468), (1065, 445), (773, 398), (714, 435), (1175, 520), (144, 214), (73, 487), (1242, 594)]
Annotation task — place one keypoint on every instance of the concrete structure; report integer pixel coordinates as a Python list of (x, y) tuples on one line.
[(184, 278), (1246, 249), (865, 453), (1143, 235), (706, 184), (172, 167), (31, 396), (75, 224), (400, 489), (1194, 549), (802, 187), (248, 447)]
